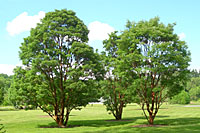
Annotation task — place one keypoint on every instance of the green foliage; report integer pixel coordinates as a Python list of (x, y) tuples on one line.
[(158, 58), (195, 93), (194, 73), (182, 98), (5, 82), (23, 89), (11, 96), (193, 83), (116, 90), (60, 66)]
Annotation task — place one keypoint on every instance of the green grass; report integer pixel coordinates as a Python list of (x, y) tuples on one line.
[(95, 119)]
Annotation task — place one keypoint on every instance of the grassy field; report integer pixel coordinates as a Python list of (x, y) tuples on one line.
[(176, 118)]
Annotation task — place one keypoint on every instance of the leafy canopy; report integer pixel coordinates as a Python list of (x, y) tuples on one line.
[(61, 68), (158, 58)]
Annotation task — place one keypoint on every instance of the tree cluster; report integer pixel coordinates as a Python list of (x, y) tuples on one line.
[(145, 63), (151, 60)]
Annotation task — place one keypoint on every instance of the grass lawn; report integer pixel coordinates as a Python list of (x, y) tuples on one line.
[(176, 118)]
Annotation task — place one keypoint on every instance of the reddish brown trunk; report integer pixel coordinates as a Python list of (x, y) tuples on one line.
[(60, 120), (151, 119), (60, 124), (59, 117)]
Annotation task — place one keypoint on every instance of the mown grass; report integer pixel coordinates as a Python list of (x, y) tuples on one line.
[(94, 118)]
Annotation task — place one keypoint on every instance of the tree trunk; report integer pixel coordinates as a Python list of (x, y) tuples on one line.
[(119, 112), (118, 116), (66, 118), (151, 116), (151, 119), (60, 124), (60, 120)]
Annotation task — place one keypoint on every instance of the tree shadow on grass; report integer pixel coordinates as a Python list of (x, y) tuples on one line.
[(93, 123), (187, 125), (177, 125), (178, 121), (171, 125), (96, 123)]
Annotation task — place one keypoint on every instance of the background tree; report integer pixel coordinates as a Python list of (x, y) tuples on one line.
[(60, 69), (159, 59), (23, 90), (182, 98), (5, 82), (193, 85), (194, 73), (195, 93), (116, 84)]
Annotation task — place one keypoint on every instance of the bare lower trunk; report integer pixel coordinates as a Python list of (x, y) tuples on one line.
[(118, 116), (60, 124), (66, 118), (61, 120), (151, 119), (119, 112), (151, 111)]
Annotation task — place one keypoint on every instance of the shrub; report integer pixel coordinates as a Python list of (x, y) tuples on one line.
[(195, 93), (182, 98)]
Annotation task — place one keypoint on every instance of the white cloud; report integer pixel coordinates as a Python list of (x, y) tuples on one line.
[(181, 36), (8, 69), (23, 22), (99, 31)]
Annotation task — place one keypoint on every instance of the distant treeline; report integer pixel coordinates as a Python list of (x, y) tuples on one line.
[(191, 92), (5, 83)]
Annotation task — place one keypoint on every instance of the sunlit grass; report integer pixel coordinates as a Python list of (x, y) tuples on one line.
[(94, 118)]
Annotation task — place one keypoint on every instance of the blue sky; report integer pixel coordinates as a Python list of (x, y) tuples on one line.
[(101, 17)]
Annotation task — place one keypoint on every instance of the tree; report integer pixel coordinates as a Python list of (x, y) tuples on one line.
[(182, 98), (195, 93), (61, 69), (194, 73), (159, 59), (11, 96), (1, 90), (5, 82), (116, 84), (193, 83), (23, 90)]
